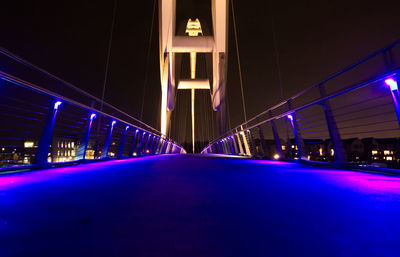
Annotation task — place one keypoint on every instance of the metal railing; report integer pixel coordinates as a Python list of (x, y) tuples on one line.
[(46, 121), (351, 117)]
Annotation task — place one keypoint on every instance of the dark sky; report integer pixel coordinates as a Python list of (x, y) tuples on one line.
[(314, 39)]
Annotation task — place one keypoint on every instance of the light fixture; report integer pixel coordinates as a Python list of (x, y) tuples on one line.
[(290, 117), (92, 116), (57, 104), (391, 83)]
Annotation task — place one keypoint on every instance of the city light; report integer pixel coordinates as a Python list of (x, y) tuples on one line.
[(127, 127), (113, 123), (276, 156), (92, 116), (28, 144), (290, 117), (391, 83), (57, 104)]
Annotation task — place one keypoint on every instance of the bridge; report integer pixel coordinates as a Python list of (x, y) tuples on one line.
[(314, 175)]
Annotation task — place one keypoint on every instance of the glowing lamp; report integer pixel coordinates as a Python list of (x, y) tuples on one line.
[(113, 123), (276, 156), (290, 117), (127, 127), (57, 104), (391, 83), (92, 116)]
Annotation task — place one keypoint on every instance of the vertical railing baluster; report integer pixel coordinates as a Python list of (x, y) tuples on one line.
[(277, 140), (106, 147), (339, 153), (47, 135), (263, 143), (301, 148), (140, 147), (122, 143), (81, 153), (134, 142)]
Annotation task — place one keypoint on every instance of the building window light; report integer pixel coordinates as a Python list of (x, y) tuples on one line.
[(374, 152), (386, 152), (28, 144)]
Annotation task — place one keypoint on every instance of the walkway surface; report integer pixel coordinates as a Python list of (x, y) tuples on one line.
[(198, 206)]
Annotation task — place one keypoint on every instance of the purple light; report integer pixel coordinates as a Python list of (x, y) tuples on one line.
[(57, 104), (92, 116), (136, 131), (391, 83), (127, 127), (290, 117), (113, 123)]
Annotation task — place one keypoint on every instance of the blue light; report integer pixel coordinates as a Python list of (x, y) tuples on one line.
[(391, 83), (290, 117), (127, 127), (92, 116), (113, 123), (57, 104)]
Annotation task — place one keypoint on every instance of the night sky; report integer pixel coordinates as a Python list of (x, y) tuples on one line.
[(314, 40)]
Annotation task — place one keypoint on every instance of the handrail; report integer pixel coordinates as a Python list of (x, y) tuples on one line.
[(248, 137), (394, 44), (34, 67), (39, 89)]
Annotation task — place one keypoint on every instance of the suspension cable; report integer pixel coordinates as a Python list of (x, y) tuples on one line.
[(146, 71), (108, 55), (238, 59)]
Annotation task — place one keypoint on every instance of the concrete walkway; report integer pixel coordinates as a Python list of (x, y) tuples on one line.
[(198, 206)]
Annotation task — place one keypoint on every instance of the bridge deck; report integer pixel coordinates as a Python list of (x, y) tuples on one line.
[(198, 206)]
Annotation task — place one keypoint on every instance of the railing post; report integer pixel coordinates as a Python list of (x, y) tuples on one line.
[(276, 137), (246, 145), (81, 153), (160, 146), (263, 143), (225, 144), (252, 143), (241, 152), (133, 146), (164, 147), (339, 154), (140, 147), (157, 146), (236, 151), (168, 149), (104, 153), (231, 145), (154, 146), (46, 137), (301, 148), (394, 90), (122, 143), (146, 147)]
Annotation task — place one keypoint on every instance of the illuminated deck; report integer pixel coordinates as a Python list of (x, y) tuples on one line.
[(185, 205)]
